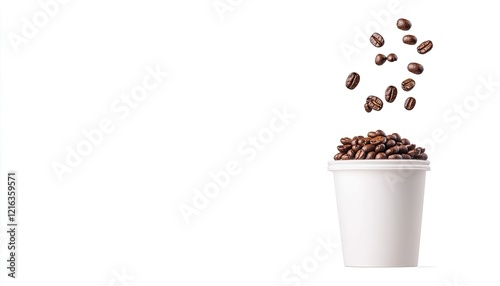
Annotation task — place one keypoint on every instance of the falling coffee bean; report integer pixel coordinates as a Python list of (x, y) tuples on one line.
[(380, 59), (410, 103), (424, 47), (377, 40), (403, 24), (390, 93), (409, 39), (368, 108), (392, 57), (415, 68), (375, 103), (352, 80), (408, 84)]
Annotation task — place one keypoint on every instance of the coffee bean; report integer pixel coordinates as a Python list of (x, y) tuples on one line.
[(352, 80), (338, 156), (405, 141), (403, 149), (380, 148), (344, 148), (408, 84), (422, 150), (414, 152), (380, 59), (410, 103), (390, 143), (415, 68), (409, 39), (422, 156), (377, 40), (390, 93), (381, 156), (397, 137), (361, 154), (403, 24), (378, 140), (406, 156), (395, 156), (368, 108), (375, 103), (372, 134), (351, 153), (346, 157), (368, 148), (411, 147), (392, 137), (345, 140), (379, 133), (392, 57), (424, 47), (371, 155), (356, 148), (392, 150)]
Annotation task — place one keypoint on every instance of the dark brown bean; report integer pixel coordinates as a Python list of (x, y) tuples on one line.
[(392, 150), (368, 148), (338, 156), (377, 40), (390, 143), (392, 137), (395, 156), (397, 137), (410, 103), (371, 155), (356, 148), (372, 134), (368, 108), (422, 156), (352, 80), (390, 93), (375, 103), (408, 84), (392, 57), (344, 148), (380, 148), (425, 47), (380, 133), (405, 141), (415, 68), (345, 140), (422, 150), (361, 154), (380, 59), (411, 147), (378, 140), (414, 153), (346, 157), (403, 24), (351, 153), (403, 149), (406, 156), (381, 156), (409, 39)]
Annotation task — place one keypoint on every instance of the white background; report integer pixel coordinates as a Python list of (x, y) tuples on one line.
[(118, 210)]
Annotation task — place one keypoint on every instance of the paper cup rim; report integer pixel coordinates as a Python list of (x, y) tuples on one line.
[(383, 164)]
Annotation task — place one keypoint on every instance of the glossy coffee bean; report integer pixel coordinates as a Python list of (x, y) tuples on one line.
[(379, 133), (380, 59), (408, 84), (415, 68), (368, 108), (378, 140), (409, 39), (410, 103), (371, 155), (375, 103), (346, 157), (352, 80), (392, 57), (338, 156), (356, 148), (343, 148), (395, 156), (405, 141), (381, 156), (411, 147), (368, 148), (422, 150), (390, 93), (424, 47), (351, 153), (403, 149), (390, 143), (380, 148), (422, 156), (397, 137), (406, 156), (377, 40), (392, 150), (345, 140), (403, 24), (414, 153), (372, 134), (361, 154)]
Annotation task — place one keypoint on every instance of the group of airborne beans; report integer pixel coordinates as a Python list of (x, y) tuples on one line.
[(374, 102)]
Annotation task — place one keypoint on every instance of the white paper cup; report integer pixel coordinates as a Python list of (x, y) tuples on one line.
[(380, 205)]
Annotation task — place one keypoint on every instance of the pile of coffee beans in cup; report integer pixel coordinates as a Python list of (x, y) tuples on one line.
[(377, 145), (378, 41)]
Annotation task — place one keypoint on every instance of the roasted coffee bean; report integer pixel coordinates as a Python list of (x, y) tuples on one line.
[(405, 141), (403, 149), (390, 143), (403, 24), (356, 148), (368, 108), (345, 140), (410, 103), (380, 59), (377, 40), (422, 150), (346, 157), (395, 156), (415, 68), (351, 153), (352, 80), (392, 57), (371, 155), (409, 39), (375, 103), (372, 134), (344, 148), (364, 141), (397, 137), (406, 156), (414, 153), (422, 156), (392, 150), (380, 133), (380, 148), (411, 147), (390, 93), (338, 156), (424, 47), (392, 137), (361, 154), (381, 156), (378, 140), (408, 84), (368, 148)]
